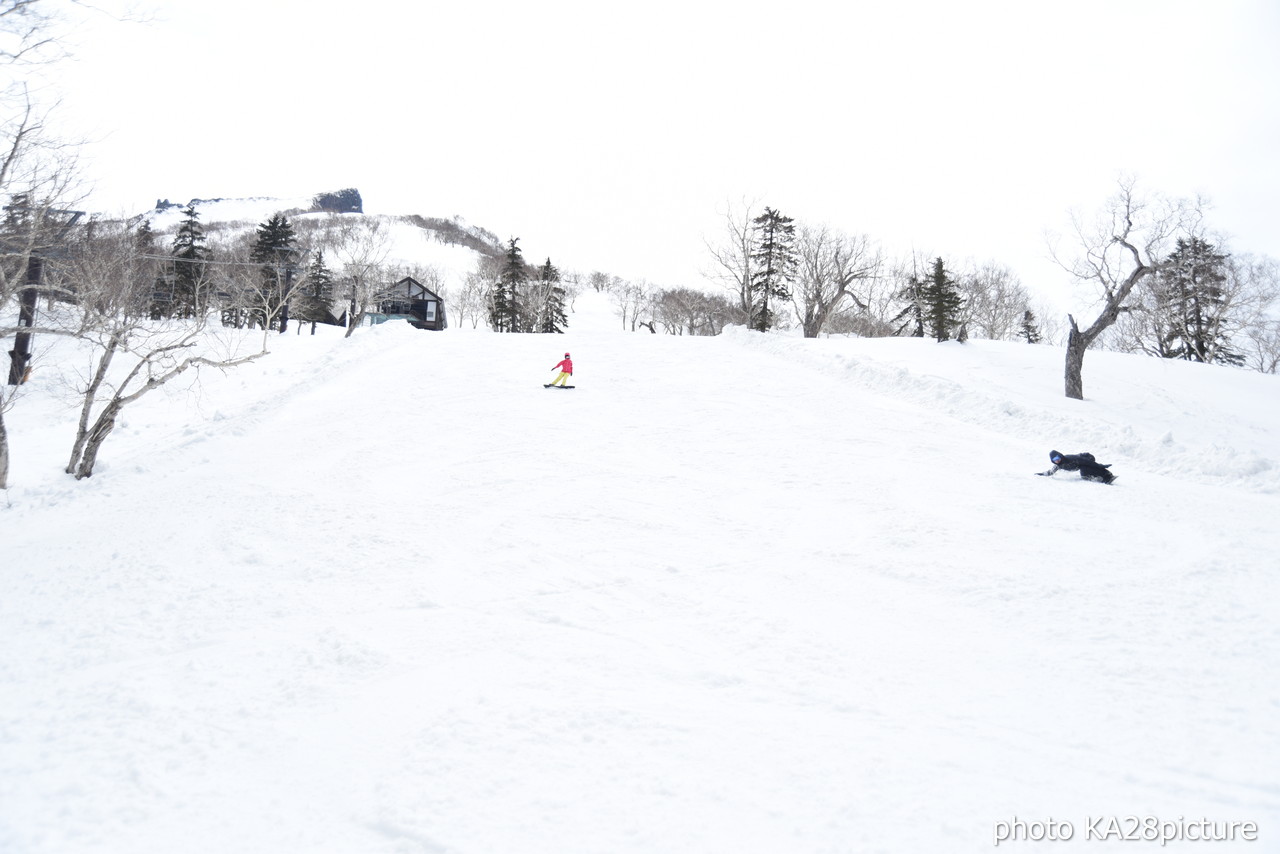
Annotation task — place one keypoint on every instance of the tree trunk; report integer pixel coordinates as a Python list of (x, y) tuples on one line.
[(352, 319), (101, 429), (814, 318), (20, 355), (82, 430), (1077, 344), (4, 453)]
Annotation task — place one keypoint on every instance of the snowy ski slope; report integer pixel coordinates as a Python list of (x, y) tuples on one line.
[(746, 593)]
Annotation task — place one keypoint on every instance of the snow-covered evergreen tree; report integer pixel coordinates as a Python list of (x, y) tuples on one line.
[(910, 321), (275, 250), (314, 297), (1191, 310), (551, 300), (505, 299), (942, 303), (188, 277), (1030, 329), (774, 256)]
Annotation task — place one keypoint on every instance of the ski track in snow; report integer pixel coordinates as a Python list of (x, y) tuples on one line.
[(749, 593)]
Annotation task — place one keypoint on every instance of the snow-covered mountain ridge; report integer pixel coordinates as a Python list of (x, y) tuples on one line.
[(452, 246)]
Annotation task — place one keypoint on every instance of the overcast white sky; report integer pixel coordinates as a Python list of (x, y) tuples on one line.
[(612, 136)]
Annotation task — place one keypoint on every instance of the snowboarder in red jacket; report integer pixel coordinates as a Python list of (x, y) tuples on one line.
[(566, 370)]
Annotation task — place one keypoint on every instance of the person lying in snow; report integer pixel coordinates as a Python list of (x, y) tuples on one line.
[(1089, 468)]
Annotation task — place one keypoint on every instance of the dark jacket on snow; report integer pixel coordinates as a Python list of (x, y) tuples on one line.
[(1089, 468)]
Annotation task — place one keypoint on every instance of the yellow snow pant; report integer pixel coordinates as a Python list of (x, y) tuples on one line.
[(560, 380)]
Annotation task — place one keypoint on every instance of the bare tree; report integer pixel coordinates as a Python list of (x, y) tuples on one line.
[(32, 31), (26, 31), (600, 282), (233, 281), (877, 304), (1120, 249), (39, 182), (732, 262), (157, 359), (108, 279), (113, 293), (633, 300), (472, 299), (683, 311), (360, 245), (467, 301), (995, 301), (830, 262), (19, 239), (1052, 326), (427, 275), (246, 298), (676, 309), (1262, 346), (571, 281), (1259, 333), (133, 355), (37, 177)]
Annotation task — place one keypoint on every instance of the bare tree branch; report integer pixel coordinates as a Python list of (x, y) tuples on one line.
[(1122, 250)]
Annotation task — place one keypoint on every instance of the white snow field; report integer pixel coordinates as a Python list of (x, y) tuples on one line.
[(737, 594)]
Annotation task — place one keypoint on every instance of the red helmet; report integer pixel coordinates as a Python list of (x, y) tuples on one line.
[(566, 355)]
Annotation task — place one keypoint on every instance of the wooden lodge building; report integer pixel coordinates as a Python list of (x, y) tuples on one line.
[(408, 299)]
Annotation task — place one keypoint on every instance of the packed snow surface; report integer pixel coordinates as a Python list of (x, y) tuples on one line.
[(749, 593)]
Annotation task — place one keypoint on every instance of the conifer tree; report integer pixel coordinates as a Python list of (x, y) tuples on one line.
[(189, 255), (552, 317), (505, 300), (275, 250), (1030, 330), (774, 254), (144, 240), (316, 294), (942, 303), (912, 315), (1190, 298)]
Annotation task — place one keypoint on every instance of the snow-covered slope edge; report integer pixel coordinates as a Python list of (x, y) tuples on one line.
[(1205, 423)]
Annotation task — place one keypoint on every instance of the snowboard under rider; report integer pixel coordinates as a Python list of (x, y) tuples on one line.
[(1089, 468), (566, 370)]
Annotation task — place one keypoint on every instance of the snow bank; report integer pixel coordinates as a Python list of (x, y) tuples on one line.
[(1219, 430)]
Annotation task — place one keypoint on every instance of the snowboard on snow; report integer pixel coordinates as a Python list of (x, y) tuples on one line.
[(1114, 478), (553, 385)]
